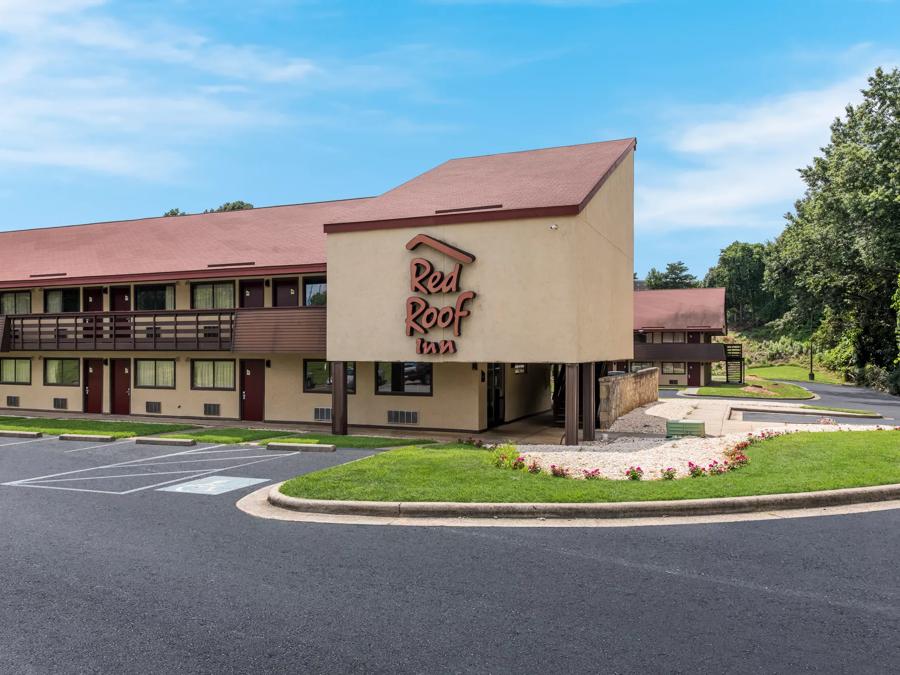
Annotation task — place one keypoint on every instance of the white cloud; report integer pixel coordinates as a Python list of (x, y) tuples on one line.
[(736, 165)]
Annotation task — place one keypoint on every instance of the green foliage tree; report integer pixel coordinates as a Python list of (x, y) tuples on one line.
[(231, 206), (741, 271), (836, 263), (174, 212), (676, 275)]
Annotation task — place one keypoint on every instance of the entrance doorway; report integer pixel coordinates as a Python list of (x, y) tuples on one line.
[(496, 398), (252, 293), (120, 386), (253, 390), (693, 374), (92, 381)]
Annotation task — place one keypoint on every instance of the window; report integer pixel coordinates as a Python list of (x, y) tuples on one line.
[(62, 372), (155, 298), (15, 302), (315, 291), (219, 295), (641, 365), (152, 374), (317, 377), (60, 300), (15, 371), (403, 378), (673, 337), (669, 368), (212, 374)]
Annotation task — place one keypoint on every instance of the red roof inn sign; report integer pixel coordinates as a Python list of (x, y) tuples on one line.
[(424, 279)]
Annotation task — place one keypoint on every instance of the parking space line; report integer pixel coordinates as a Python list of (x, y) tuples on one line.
[(205, 451), (55, 487), (212, 459), (102, 445), (123, 475), (106, 466), (33, 440), (206, 473)]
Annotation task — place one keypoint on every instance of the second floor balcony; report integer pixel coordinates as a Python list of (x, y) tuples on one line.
[(263, 330)]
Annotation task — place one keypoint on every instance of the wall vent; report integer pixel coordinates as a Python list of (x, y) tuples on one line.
[(212, 409), (322, 414), (60, 404), (12, 401), (403, 416), (154, 407)]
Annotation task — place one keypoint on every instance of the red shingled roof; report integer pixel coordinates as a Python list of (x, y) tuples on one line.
[(549, 182), (680, 309), (278, 239)]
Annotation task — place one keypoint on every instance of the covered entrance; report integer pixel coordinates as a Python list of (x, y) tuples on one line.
[(496, 397)]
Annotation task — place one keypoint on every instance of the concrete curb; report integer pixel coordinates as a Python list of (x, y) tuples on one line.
[(302, 447), (95, 438), (21, 434), (686, 507), (793, 411), (161, 440), (814, 397)]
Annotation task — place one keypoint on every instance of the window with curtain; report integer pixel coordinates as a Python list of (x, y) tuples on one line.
[(317, 377), (15, 371), (315, 291), (212, 374), (403, 378), (154, 374), (673, 368), (213, 295), (62, 372), (62, 300), (154, 298), (15, 302), (640, 365)]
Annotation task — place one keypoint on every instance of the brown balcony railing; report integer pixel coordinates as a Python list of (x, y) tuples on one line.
[(262, 330), (199, 330)]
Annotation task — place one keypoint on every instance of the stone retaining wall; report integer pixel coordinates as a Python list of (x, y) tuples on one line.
[(620, 394)]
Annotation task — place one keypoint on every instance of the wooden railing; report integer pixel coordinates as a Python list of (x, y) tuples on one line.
[(192, 330)]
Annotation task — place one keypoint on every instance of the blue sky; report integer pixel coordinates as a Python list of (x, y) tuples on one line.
[(112, 110)]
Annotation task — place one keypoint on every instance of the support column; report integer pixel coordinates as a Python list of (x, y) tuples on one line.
[(572, 404), (339, 398), (588, 401)]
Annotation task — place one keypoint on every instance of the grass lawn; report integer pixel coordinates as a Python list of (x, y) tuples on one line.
[(794, 373), (354, 441), (74, 426), (232, 435), (799, 462), (756, 387), (843, 410)]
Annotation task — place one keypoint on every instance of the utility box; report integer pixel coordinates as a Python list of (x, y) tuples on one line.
[(679, 428)]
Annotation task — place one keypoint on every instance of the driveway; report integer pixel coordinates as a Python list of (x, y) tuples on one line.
[(114, 572)]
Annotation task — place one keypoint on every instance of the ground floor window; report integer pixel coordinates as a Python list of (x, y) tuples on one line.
[(673, 368), (153, 374), (317, 376), (403, 378), (15, 371), (210, 374), (62, 372), (641, 365)]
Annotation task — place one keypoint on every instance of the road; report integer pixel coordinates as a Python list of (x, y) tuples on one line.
[(115, 574)]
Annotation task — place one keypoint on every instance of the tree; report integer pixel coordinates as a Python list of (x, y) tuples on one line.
[(741, 271), (174, 212), (837, 260), (231, 206), (675, 276)]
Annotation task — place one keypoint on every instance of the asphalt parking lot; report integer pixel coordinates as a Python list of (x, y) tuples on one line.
[(105, 568)]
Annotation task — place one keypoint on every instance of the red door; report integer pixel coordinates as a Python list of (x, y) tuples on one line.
[(252, 293), (92, 381), (694, 374), (120, 386), (253, 390), (120, 298), (91, 301), (286, 292)]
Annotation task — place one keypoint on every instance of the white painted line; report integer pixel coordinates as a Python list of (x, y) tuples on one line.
[(205, 473), (217, 459), (214, 452), (102, 445), (53, 487), (97, 468), (123, 475), (33, 440)]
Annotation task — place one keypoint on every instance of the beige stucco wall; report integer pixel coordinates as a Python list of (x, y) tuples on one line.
[(543, 295)]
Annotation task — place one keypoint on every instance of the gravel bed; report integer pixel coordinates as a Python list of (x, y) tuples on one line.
[(651, 418)]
